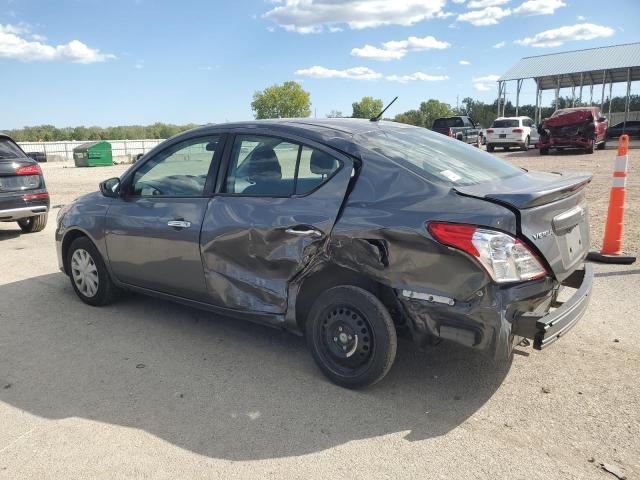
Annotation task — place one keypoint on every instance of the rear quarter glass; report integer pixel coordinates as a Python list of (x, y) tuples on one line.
[(440, 160)]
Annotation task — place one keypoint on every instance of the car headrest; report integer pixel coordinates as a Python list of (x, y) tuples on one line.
[(321, 164), (264, 165)]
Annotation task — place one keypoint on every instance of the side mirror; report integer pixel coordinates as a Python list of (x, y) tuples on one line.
[(110, 187)]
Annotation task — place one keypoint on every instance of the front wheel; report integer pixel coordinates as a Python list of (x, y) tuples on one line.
[(351, 336), (589, 148), (478, 141), (490, 147), (33, 224), (88, 273), (602, 145)]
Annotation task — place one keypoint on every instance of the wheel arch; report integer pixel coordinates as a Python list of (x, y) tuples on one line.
[(332, 275), (68, 238)]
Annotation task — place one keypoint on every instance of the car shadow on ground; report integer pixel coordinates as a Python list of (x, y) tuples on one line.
[(8, 233), (215, 386)]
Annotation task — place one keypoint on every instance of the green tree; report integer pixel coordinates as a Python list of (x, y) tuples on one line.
[(412, 117), (432, 109), (368, 107), (281, 101)]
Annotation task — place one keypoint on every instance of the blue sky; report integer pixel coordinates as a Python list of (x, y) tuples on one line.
[(92, 62)]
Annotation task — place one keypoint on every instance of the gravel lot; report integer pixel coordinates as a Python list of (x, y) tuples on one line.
[(148, 389)]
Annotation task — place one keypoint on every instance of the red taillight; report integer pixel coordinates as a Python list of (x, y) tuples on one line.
[(517, 130), (35, 196), (455, 235), (29, 170), (490, 130)]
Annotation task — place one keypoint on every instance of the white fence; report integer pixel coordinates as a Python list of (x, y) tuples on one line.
[(122, 150)]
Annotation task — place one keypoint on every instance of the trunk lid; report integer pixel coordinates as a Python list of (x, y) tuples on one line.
[(552, 212)]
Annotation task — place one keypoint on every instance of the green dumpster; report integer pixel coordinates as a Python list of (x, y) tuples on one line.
[(93, 154)]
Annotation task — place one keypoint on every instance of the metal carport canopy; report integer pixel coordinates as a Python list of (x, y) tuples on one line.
[(616, 63)]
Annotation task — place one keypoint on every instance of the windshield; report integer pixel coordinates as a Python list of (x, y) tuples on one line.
[(8, 149), (505, 123), (444, 160), (447, 122)]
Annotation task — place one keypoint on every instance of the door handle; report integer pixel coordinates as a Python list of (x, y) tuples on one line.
[(304, 231), (178, 224)]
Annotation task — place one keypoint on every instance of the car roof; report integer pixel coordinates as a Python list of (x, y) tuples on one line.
[(334, 132), (522, 117)]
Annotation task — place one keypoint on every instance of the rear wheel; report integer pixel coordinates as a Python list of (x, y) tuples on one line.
[(603, 145), (351, 336), (544, 151), (506, 149), (88, 273), (525, 145), (33, 224), (490, 147)]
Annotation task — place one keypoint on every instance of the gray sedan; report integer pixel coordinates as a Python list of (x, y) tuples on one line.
[(350, 232)]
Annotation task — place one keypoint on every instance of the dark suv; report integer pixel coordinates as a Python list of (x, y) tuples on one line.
[(23, 194), (348, 231)]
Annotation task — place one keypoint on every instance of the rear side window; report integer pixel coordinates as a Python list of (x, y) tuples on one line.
[(269, 166), (447, 122), (8, 149), (448, 162), (505, 123)]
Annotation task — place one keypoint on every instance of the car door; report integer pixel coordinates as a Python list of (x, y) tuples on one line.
[(274, 210), (153, 230)]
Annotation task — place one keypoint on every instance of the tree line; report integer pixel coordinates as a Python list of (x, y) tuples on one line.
[(50, 133), (290, 100)]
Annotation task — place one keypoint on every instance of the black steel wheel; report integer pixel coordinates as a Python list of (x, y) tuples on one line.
[(351, 336)]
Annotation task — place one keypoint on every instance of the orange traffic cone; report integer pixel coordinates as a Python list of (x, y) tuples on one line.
[(612, 244)]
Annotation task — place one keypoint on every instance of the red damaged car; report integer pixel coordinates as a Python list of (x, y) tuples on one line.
[(580, 127)]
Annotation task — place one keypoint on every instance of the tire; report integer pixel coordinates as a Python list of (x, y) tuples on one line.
[(525, 147), (506, 149), (544, 151), (589, 149), (33, 224), (351, 336), (478, 141), (83, 250), (603, 145), (490, 147)]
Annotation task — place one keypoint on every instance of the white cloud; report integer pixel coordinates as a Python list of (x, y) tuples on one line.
[(486, 3), (312, 16), (581, 18), (481, 18), (539, 7), (557, 36), (396, 49), (485, 83), (425, 77), (14, 45), (499, 44), (356, 73), (464, 62)]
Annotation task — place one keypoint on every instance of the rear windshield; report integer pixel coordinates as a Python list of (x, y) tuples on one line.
[(447, 122), (441, 159), (8, 149), (505, 123)]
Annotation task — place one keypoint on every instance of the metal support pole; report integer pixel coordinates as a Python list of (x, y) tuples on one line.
[(499, 96), (518, 87), (628, 100), (535, 112), (557, 91), (504, 98), (604, 78), (580, 97), (540, 108), (610, 102)]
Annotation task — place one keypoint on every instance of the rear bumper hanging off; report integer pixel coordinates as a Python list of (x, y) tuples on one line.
[(544, 330)]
